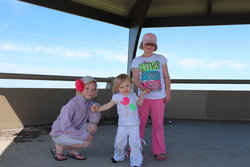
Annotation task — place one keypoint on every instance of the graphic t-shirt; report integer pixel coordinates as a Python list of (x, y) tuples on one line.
[(151, 75), (127, 109)]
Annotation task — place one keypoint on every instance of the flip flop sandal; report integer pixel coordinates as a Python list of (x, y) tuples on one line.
[(160, 157), (78, 156), (55, 155)]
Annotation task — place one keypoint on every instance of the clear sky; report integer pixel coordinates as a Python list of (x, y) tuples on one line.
[(37, 40)]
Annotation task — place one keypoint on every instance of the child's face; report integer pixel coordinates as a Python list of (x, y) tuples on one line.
[(89, 90), (148, 47), (125, 88)]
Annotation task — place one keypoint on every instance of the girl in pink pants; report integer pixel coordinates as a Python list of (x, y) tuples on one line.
[(150, 73)]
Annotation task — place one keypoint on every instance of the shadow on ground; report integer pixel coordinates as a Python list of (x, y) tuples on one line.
[(190, 143)]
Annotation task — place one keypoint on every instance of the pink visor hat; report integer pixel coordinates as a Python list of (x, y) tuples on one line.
[(149, 38)]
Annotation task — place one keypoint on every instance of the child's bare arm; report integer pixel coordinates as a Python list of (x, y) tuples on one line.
[(106, 106), (137, 81), (167, 83), (141, 97)]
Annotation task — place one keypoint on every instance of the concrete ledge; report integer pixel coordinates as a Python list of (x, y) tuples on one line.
[(31, 107)]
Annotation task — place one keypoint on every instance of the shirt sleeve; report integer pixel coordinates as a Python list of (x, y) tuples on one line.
[(135, 96), (164, 60), (134, 63), (115, 98), (66, 124)]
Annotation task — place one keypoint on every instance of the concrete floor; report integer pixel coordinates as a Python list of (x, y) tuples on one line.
[(190, 143)]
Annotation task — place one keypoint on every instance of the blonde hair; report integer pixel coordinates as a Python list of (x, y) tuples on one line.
[(119, 80)]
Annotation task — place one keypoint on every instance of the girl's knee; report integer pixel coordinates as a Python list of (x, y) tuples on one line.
[(86, 144), (92, 128)]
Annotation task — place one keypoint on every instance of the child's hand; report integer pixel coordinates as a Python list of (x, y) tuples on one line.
[(90, 137), (167, 99), (94, 108), (145, 91)]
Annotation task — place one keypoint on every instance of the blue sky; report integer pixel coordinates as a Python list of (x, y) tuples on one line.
[(38, 40)]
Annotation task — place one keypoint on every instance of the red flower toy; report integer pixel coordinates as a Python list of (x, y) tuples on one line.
[(79, 85)]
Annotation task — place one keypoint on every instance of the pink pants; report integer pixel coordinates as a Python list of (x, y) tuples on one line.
[(154, 107)]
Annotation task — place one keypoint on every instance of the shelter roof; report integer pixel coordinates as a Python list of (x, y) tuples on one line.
[(159, 13)]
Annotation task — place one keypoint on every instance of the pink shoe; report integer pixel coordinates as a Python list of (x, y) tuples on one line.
[(128, 152)]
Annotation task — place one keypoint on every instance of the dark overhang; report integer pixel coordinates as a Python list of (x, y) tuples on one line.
[(161, 13)]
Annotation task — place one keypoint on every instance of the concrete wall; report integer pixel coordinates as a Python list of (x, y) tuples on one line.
[(31, 106), (28, 107), (209, 105)]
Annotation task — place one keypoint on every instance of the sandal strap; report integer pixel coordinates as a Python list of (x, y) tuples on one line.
[(160, 156), (59, 154)]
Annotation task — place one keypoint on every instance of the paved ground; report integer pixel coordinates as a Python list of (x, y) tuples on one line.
[(190, 143)]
